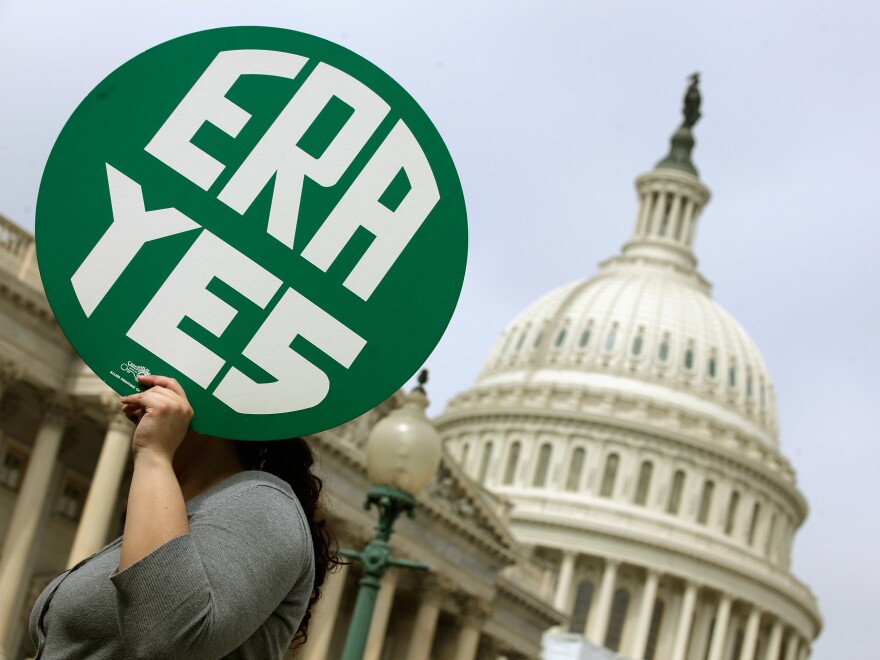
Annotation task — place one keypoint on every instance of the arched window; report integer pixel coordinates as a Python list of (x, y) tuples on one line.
[(539, 338), (610, 475), (484, 462), (732, 506), (706, 502), (585, 338), (673, 504), (512, 460), (644, 483), (756, 513), (560, 338), (637, 345), (689, 359), (583, 598), (610, 339), (713, 366), (575, 468), (619, 605), (771, 535), (654, 630), (731, 376), (663, 353), (540, 479)]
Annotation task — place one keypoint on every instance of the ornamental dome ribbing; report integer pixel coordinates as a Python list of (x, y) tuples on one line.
[(644, 335)]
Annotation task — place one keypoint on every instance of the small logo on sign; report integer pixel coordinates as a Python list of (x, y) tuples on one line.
[(135, 370)]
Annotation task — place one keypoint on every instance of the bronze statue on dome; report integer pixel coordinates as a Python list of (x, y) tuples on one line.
[(691, 109)]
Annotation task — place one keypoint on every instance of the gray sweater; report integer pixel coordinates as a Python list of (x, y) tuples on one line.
[(236, 586)]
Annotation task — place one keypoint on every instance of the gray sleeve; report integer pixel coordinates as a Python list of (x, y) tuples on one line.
[(201, 595)]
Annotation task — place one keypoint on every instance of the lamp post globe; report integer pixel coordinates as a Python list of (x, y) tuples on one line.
[(403, 449), (403, 453)]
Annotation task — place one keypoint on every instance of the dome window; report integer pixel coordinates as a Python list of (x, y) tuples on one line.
[(582, 601), (610, 340), (610, 476), (674, 503), (512, 460), (619, 606), (644, 485), (706, 502), (713, 367), (585, 338), (522, 339), (654, 630), (753, 526), (663, 353), (484, 462), (574, 469), (540, 479), (731, 376), (771, 535), (689, 359), (637, 345), (749, 386), (731, 513), (560, 338), (539, 338)]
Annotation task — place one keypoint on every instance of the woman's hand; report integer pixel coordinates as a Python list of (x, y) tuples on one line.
[(156, 509), (162, 414)]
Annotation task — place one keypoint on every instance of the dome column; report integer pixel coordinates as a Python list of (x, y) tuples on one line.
[(791, 648), (751, 636), (646, 612), (563, 584), (719, 632), (685, 618), (775, 642), (599, 620)]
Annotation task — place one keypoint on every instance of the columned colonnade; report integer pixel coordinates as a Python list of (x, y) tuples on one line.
[(33, 503), (329, 624), (700, 624)]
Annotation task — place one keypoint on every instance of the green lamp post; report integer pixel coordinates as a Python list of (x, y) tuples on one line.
[(403, 452)]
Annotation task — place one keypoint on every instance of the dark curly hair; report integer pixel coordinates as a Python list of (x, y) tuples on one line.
[(292, 460)]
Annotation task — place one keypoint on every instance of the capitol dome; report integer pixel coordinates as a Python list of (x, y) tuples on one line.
[(630, 424)]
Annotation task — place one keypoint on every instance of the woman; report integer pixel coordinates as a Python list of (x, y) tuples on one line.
[(222, 555)]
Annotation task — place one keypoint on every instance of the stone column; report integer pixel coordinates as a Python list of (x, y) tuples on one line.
[(719, 632), (563, 584), (381, 615), (791, 648), (646, 611), (21, 534), (9, 373), (422, 638), (685, 618), (598, 624), (775, 642), (751, 636), (94, 525), (473, 615), (805, 651), (324, 617)]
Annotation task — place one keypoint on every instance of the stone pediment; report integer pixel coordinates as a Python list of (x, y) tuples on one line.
[(464, 503)]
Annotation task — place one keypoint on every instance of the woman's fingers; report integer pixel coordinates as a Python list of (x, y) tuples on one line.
[(162, 381)]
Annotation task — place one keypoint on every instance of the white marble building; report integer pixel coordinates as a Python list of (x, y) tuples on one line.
[(65, 470), (614, 473), (631, 422)]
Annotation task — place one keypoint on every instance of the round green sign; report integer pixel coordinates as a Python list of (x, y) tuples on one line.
[(261, 214)]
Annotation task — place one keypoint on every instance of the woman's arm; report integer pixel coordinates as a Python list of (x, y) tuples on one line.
[(156, 510)]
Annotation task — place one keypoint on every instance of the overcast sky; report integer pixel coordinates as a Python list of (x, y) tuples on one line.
[(550, 110)]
